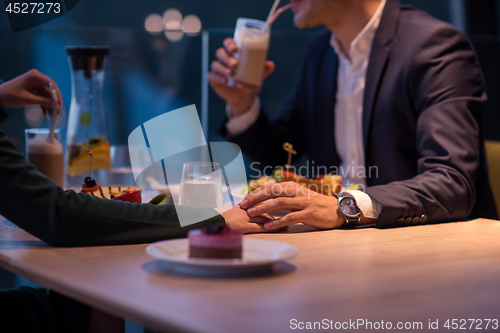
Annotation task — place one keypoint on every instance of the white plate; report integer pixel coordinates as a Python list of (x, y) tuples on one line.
[(238, 195), (240, 192), (257, 253)]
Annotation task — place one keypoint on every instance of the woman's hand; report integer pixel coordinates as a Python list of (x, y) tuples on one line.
[(238, 219), (27, 89)]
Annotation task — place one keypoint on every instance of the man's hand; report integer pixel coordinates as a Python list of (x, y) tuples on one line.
[(30, 88), (238, 219), (240, 99), (306, 206)]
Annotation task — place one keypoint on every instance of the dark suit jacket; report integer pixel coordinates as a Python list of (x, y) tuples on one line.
[(421, 119), (66, 218)]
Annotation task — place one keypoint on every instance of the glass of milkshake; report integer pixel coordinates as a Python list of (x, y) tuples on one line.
[(46, 157), (251, 55)]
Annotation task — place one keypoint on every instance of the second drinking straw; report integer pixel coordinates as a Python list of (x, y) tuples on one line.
[(54, 114), (273, 14), (270, 16)]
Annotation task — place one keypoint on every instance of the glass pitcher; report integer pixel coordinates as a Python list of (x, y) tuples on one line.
[(87, 125)]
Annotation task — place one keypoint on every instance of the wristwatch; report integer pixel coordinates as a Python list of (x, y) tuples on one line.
[(348, 207)]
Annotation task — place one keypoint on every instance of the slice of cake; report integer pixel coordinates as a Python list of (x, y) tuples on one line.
[(217, 241)]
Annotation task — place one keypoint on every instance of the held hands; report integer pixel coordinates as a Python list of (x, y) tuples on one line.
[(240, 99), (238, 219), (29, 88), (306, 206)]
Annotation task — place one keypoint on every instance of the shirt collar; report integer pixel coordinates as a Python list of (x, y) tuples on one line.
[(362, 43)]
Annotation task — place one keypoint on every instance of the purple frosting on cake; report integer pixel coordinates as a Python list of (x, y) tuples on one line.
[(216, 236)]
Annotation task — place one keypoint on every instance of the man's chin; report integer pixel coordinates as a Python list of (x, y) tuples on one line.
[(301, 24)]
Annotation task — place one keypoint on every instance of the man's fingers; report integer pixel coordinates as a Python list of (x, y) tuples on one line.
[(261, 219), (285, 221), (268, 216), (269, 191), (216, 79), (230, 45), (224, 57), (269, 68), (220, 69), (271, 206), (254, 228)]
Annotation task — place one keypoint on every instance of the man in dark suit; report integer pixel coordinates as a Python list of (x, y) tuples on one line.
[(388, 95)]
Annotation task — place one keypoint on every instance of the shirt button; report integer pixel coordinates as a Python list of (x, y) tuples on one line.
[(408, 220), (416, 220), (423, 218), (400, 221)]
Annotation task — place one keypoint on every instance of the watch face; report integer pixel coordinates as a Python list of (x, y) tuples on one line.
[(348, 207)]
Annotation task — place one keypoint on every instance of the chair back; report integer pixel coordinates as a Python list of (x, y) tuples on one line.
[(493, 158)]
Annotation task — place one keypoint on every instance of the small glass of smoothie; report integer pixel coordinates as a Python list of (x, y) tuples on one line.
[(46, 157)]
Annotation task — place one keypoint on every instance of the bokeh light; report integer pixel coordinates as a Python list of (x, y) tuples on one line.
[(172, 19), (34, 116), (174, 36), (191, 25), (154, 23), (172, 14), (173, 25)]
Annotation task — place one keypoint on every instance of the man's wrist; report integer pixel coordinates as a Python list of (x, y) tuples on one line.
[(359, 219), (240, 123), (242, 106), (370, 208), (340, 219)]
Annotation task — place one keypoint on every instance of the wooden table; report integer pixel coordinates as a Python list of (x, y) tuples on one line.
[(412, 274)]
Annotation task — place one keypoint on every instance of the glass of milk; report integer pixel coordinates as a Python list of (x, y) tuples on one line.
[(251, 54), (201, 184), (46, 157)]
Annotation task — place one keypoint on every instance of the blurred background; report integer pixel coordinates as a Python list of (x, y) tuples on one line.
[(151, 72)]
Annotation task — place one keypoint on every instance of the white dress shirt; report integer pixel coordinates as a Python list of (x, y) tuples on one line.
[(351, 79)]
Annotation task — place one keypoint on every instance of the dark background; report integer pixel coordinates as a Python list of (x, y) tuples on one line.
[(148, 75)]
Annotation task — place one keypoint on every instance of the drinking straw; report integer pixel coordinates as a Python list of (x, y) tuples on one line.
[(281, 10), (54, 114), (270, 16), (273, 9), (273, 15)]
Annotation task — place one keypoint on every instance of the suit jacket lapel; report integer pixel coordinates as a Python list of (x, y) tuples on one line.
[(378, 60)]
